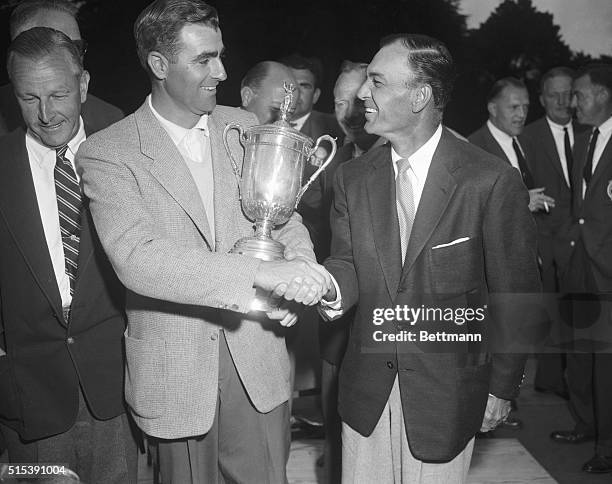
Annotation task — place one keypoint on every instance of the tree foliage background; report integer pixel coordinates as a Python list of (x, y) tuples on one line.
[(516, 39)]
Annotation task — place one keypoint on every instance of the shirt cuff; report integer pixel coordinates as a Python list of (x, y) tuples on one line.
[(331, 310)]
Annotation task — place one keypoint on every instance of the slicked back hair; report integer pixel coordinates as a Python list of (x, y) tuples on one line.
[(158, 26), (256, 75), (431, 62), (27, 9), (39, 42), (312, 64), (600, 75), (560, 71), (502, 84)]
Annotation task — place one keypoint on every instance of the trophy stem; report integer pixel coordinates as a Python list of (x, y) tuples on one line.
[(263, 229)]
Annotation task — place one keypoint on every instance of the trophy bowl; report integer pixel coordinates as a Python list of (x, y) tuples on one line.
[(270, 184)]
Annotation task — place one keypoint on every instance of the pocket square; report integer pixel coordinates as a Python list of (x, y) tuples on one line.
[(454, 242)]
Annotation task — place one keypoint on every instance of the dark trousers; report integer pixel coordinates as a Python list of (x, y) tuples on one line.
[(589, 362), (243, 445), (99, 451)]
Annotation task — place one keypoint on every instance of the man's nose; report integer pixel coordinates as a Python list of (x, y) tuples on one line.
[(44, 111), (364, 91), (218, 71)]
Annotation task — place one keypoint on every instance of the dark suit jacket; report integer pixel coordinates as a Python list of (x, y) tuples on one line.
[(545, 166), (592, 221), (444, 389), (485, 140), (319, 124), (97, 114), (46, 359)]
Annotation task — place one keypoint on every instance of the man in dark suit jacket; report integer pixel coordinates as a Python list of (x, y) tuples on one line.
[(548, 144), (460, 217), (583, 247), (61, 369), (59, 15)]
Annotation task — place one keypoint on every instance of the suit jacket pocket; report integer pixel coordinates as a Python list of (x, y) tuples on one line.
[(456, 269), (145, 376)]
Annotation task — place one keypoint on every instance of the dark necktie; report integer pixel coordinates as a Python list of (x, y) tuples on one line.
[(404, 197), (588, 166), (69, 204), (525, 173), (569, 157)]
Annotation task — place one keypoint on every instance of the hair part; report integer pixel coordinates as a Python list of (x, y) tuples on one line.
[(501, 84), (27, 9), (159, 25), (40, 42), (561, 71), (311, 64)]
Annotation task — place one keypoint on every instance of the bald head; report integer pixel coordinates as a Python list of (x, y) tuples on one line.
[(55, 14), (262, 90)]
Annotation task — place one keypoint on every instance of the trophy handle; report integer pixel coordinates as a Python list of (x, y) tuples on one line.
[(227, 148), (321, 168)]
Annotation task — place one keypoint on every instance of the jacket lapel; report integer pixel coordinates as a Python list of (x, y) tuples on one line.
[(169, 168), (494, 147), (24, 221), (381, 199), (550, 148), (602, 165), (437, 192)]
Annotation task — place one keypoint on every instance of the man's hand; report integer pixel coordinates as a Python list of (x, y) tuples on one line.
[(299, 279), (287, 315), (496, 412), (539, 201)]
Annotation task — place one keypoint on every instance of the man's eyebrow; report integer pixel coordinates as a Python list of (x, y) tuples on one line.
[(209, 54)]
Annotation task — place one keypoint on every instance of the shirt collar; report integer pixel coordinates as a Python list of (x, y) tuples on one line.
[(42, 152), (176, 132), (606, 127), (420, 160), (558, 126), (498, 134), (299, 122)]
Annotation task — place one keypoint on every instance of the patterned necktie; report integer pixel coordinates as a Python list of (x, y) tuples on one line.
[(525, 173), (588, 166), (404, 199), (69, 204), (569, 157)]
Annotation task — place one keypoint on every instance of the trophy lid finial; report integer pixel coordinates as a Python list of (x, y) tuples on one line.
[(287, 106)]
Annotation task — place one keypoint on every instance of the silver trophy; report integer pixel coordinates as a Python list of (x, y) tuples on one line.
[(270, 182)]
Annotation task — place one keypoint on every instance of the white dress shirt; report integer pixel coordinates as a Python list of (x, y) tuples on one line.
[(299, 122), (420, 161), (42, 164), (505, 141), (194, 146), (559, 137)]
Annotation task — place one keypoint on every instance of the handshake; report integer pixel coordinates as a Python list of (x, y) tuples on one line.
[(296, 279)]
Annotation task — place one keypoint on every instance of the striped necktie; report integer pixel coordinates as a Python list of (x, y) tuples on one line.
[(404, 199), (69, 204)]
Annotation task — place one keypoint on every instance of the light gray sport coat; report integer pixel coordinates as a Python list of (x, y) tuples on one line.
[(182, 288)]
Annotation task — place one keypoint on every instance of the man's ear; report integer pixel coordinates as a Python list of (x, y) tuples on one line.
[(159, 64), (603, 96), (315, 96), (246, 95), (492, 108), (423, 95), (83, 85)]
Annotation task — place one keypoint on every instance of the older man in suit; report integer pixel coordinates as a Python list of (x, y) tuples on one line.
[(431, 222), (584, 250), (61, 369), (548, 143), (206, 379), (59, 15)]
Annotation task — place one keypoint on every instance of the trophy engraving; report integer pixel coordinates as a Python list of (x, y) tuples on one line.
[(270, 182)]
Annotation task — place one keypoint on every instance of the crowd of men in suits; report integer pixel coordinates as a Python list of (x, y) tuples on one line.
[(124, 313)]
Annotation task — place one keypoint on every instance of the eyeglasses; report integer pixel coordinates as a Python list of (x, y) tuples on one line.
[(81, 44)]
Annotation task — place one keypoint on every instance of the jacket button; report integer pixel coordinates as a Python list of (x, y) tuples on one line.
[(581, 221), (70, 340), (572, 243), (213, 336), (390, 365)]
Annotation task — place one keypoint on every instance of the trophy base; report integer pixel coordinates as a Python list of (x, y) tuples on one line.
[(268, 250)]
